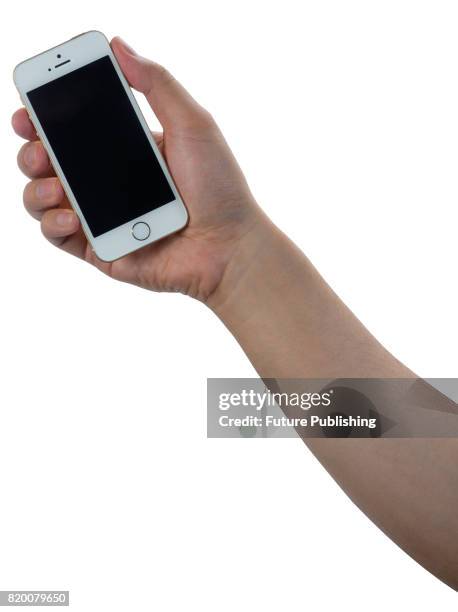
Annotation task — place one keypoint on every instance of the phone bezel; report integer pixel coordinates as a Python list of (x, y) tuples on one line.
[(82, 50)]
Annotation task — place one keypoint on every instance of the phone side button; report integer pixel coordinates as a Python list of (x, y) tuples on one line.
[(141, 230)]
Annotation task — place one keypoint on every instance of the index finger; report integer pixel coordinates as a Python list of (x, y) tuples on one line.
[(22, 125)]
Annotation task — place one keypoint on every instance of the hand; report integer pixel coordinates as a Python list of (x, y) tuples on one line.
[(221, 208)]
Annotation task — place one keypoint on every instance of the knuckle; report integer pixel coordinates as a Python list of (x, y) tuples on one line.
[(207, 117), (44, 225), (27, 192), (203, 121), (29, 203), (20, 155), (163, 73)]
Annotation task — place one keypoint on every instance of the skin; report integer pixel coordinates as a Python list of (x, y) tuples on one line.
[(207, 175), (285, 317)]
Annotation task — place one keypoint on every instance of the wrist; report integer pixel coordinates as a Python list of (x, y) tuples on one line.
[(248, 270)]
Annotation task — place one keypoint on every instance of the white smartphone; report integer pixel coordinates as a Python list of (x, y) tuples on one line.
[(100, 146)]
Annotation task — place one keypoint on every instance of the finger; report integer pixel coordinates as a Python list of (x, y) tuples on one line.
[(33, 160), (22, 125), (172, 104), (159, 139), (41, 195), (59, 225)]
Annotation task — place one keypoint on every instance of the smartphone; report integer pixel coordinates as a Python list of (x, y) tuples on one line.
[(100, 146)]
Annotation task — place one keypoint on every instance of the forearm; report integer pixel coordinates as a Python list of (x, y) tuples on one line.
[(288, 320), (292, 325)]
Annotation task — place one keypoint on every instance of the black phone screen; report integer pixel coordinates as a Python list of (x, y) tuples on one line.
[(101, 146)]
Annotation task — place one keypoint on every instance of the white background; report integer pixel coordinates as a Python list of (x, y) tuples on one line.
[(344, 117)]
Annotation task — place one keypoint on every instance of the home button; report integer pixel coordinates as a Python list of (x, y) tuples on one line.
[(141, 230)]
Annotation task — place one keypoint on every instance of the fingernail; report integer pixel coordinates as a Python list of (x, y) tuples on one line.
[(65, 218), (45, 189), (127, 47), (30, 155)]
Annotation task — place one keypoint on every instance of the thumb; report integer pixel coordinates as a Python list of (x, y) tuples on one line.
[(171, 103)]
